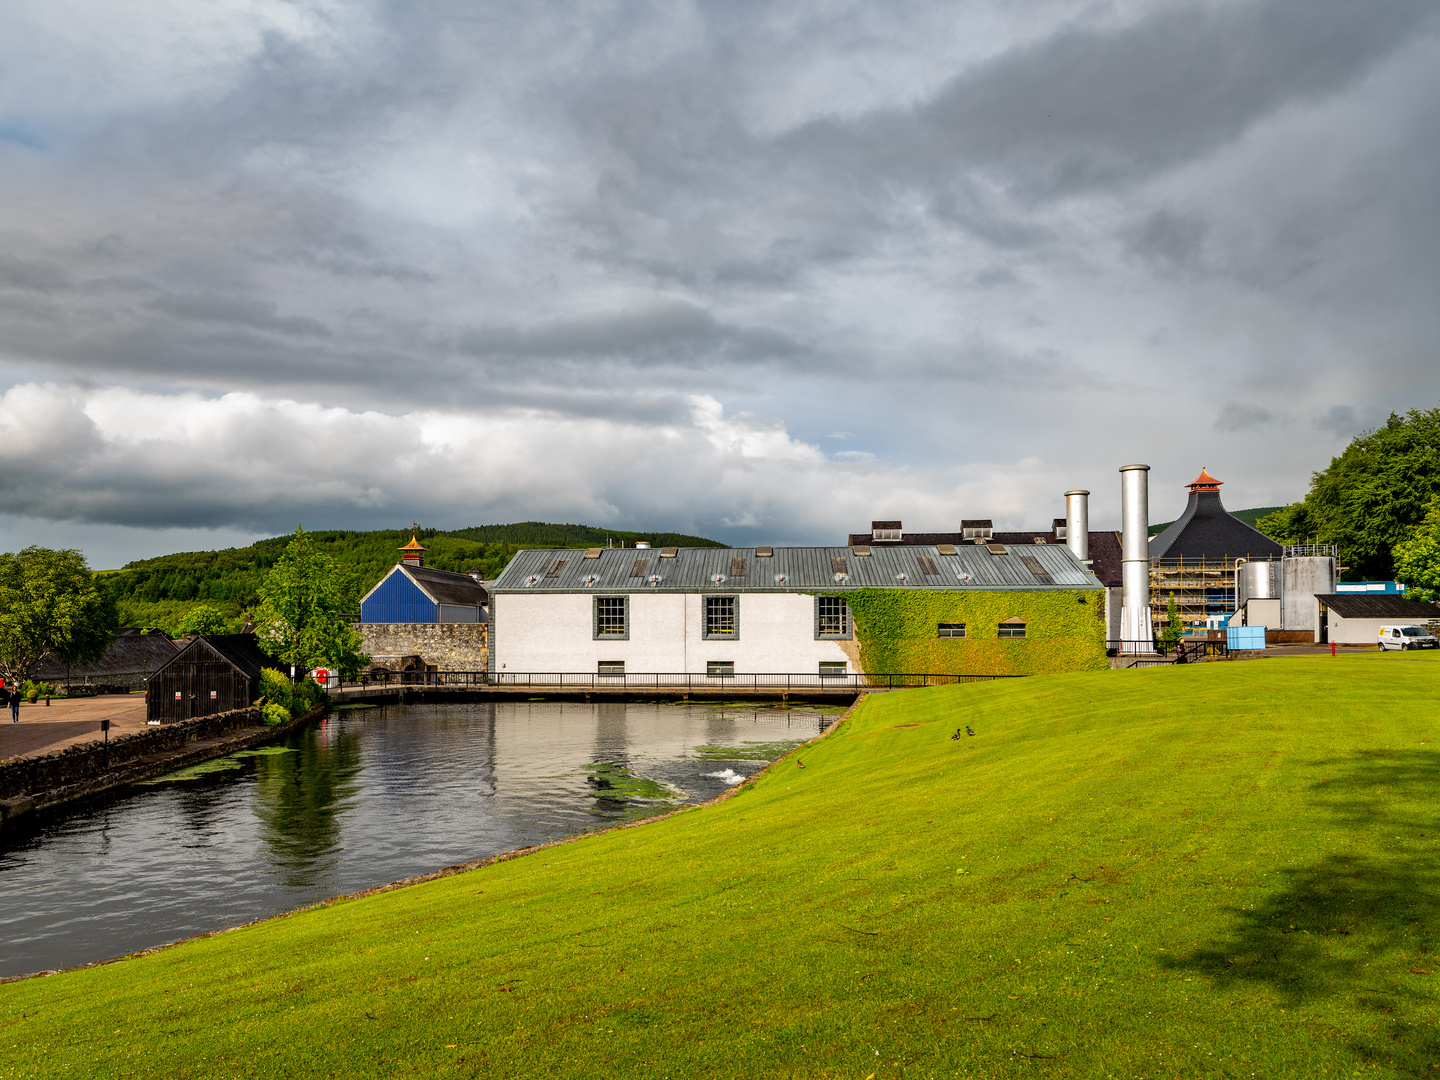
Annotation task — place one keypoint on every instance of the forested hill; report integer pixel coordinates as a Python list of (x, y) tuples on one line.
[(157, 592)]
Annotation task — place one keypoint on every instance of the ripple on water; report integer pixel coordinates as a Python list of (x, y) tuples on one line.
[(362, 799)]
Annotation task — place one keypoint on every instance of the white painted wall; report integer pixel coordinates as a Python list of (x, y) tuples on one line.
[(1357, 631), (554, 632)]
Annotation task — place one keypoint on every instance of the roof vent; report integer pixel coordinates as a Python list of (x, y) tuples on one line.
[(901, 578), (531, 580), (593, 553), (995, 549), (591, 579), (883, 532), (963, 577), (780, 579), (717, 578), (860, 551), (764, 552), (668, 553), (643, 545), (841, 578), (945, 549), (977, 529), (654, 579)]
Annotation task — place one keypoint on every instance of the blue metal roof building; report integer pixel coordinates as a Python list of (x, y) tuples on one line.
[(412, 593)]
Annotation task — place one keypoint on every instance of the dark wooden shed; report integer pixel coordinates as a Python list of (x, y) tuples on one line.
[(209, 675)]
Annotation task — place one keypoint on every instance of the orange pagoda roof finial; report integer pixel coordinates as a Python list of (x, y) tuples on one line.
[(1204, 482)]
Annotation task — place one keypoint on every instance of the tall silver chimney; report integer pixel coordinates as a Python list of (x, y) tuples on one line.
[(1135, 625), (1077, 523)]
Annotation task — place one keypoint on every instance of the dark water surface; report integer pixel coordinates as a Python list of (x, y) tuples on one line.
[(363, 798)]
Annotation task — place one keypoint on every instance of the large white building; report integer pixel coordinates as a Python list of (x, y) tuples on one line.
[(761, 610)]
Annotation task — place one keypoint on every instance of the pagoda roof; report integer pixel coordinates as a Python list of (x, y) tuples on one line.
[(1204, 482)]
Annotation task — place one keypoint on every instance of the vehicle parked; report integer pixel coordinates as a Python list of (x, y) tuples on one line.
[(1406, 637)]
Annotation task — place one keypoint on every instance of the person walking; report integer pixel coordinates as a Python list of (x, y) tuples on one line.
[(14, 705)]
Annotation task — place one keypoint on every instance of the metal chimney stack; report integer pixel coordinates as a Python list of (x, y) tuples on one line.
[(1077, 523), (1135, 626)]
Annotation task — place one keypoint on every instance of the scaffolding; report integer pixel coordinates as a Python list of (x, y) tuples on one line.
[(1202, 587)]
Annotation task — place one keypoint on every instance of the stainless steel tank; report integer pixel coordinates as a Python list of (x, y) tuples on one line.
[(1257, 580)]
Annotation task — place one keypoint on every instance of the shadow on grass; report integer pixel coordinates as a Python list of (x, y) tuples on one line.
[(1357, 930)]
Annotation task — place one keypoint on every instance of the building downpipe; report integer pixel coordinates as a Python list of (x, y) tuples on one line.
[(1077, 523), (1136, 631)]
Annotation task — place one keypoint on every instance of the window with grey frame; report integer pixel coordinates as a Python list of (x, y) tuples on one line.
[(612, 617), (832, 618), (722, 617)]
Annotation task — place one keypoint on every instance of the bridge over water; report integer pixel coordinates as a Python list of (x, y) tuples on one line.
[(413, 687)]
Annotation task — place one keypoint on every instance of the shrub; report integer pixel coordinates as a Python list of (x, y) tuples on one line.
[(275, 689), (275, 714), (307, 695), (31, 690)]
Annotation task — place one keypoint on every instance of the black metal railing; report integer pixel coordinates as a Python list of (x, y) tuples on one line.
[(657, 681)]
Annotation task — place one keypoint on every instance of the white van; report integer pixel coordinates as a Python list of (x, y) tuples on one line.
[(1406, 637)]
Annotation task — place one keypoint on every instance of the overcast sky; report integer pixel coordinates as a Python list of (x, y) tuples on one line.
[(761, 272)]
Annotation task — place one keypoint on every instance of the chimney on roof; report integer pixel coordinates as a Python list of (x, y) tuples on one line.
[(413, 553), (642, 545), (1077, 523)]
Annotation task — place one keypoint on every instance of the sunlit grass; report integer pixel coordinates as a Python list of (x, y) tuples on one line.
[(1226, 870)]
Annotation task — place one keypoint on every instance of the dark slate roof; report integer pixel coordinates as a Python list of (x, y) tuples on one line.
[(1105, 555), (1206, 530), (242, 651), (1349, 605), (128, 655), (803, 569)]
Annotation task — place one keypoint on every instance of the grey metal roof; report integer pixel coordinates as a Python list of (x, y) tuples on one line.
[(445, 587), (795, 569)]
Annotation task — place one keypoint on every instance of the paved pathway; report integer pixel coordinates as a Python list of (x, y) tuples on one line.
[(65, 723)]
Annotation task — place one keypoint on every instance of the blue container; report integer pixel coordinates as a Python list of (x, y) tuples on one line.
[(1245, 637)]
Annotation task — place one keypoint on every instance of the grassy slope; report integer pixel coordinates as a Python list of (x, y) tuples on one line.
[(1227, 870)]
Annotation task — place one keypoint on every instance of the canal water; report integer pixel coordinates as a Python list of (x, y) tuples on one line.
[(362, 798)]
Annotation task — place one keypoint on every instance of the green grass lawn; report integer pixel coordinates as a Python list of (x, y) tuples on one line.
[(1226, 870)]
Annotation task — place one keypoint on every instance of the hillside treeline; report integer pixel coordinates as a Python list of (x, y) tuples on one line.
[(159, 591)]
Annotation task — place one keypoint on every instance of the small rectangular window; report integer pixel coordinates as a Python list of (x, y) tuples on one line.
[(1012, 629), (832, 669), (639, 567), (593, 553), (610, 667), (720, 616), (945, 549), (832, 617), (612, 617), (720, 669), (927, 566), (952, 629), (555, 568), (737, 566)]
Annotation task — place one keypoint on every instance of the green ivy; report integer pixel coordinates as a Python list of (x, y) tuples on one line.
[(897, 631)]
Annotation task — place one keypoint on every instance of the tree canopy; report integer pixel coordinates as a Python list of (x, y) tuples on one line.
[(302, 618), (1417, 559), (50, 605), (1370, 497)]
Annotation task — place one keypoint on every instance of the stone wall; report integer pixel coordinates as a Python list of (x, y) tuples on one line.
[(24, 776), (446, 646)]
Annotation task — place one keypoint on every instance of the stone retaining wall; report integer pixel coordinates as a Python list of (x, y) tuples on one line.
[(26, 776), (447, 646)]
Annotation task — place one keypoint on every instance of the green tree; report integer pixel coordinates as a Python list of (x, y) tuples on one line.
[(204, 619), (302, 618), (1417, 560), (1174, 628), (1370, 497), (50, 605)]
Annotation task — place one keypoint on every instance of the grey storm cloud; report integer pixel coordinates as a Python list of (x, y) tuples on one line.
[(979, 240)]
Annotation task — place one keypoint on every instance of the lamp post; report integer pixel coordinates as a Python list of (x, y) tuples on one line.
[(105, 727)]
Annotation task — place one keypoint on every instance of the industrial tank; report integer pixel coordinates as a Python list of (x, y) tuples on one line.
[(1257, 581), (1303, 577)]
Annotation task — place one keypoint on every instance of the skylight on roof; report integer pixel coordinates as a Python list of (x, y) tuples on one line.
[(593, 553), (945, 549), (995, 549), (669, 553), (764, 552), (860, 551)]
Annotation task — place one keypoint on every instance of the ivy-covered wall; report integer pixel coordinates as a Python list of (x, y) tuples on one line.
[(896, 631)]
